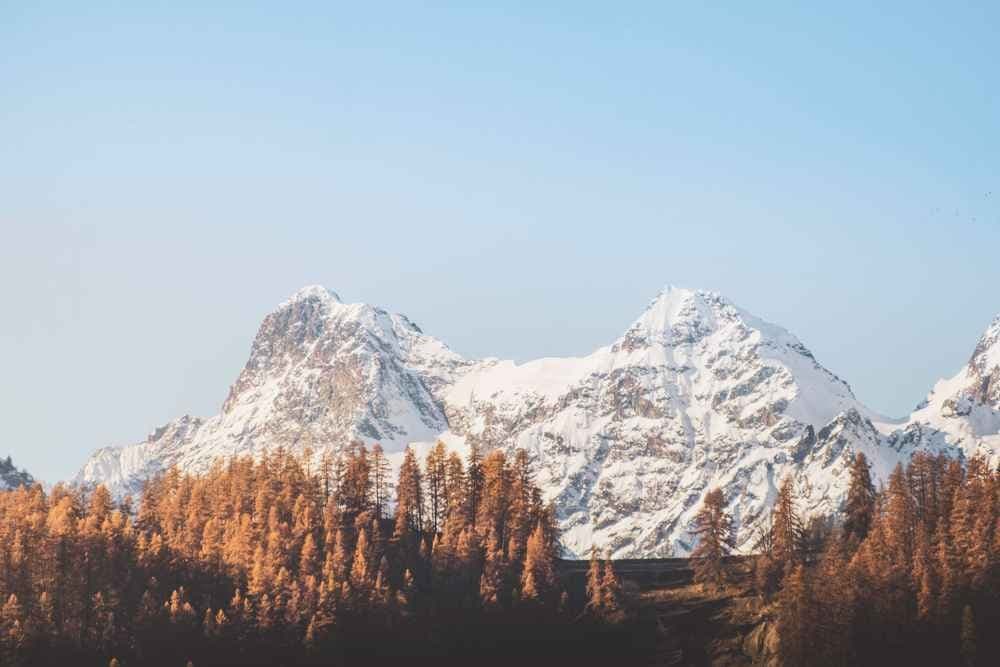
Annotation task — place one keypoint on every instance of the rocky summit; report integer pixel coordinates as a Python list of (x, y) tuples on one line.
[(696, 393)]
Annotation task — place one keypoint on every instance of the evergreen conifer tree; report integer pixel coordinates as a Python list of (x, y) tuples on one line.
[(714, 528), (859, 509)]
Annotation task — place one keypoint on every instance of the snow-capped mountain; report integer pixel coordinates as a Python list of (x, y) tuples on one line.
[(696, 393), (964, 411), (321, 373), (11, 477)]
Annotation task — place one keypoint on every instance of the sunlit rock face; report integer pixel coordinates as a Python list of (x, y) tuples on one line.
[(696, 393), (962, 413)]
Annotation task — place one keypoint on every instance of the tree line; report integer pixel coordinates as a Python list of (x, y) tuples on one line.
[(907, 574), (287, 560)]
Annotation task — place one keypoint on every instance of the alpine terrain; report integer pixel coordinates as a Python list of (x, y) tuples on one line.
[(696, 393)]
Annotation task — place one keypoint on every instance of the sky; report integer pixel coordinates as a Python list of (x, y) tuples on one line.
[(519, 181)]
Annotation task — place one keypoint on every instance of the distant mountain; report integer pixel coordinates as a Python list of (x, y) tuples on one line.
[(11, 477), (963, 411), (696, 393), (320, 374)]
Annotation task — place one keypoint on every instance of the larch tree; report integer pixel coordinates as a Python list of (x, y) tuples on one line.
[(923, 575), (923, 475), (380, 480), (326, 473), (611, 594), (309, 557), (947, 568), (409, 497), (859, 509), (524, 504), (455, 488), (786, 526), (595, 575), (260, 561), (360, 568), (491, 583), (835, 608), (538, 578), (795, 619), (779, 543), (356, 483), (714, 528), (436, 474), (495, 500), (900, 526), (474, 483)]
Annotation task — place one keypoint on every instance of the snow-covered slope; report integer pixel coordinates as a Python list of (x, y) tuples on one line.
[(11, 477), (696, 393), (963, 412), (321, 373)]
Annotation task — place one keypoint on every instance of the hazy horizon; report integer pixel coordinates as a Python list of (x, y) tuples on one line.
[(520, 184)]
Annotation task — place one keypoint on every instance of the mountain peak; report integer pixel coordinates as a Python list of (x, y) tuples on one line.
[(684, 302), (671, 292), (698, 393), (313, 292), (987, 353), (680, 313), (984, 366)]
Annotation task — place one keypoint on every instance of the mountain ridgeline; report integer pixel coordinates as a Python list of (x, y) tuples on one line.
[(696, 394)]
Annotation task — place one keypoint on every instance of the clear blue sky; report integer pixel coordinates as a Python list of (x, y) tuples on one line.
[(520, 182)]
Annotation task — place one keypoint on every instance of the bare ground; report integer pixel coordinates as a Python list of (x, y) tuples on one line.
[(684, 623)]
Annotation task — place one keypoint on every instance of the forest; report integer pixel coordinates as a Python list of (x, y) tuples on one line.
[(909, 574), (290, 560), (283, 561)]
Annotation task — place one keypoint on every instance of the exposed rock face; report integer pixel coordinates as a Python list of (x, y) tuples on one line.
[(963, 412), (696, 393), (320, 374), (984, 367), (11, 477)]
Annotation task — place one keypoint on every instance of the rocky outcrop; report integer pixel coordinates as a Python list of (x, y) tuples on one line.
[(321, 373), (696, 393), (962, 413)]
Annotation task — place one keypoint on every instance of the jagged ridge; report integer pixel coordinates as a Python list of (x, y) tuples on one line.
[(696, 393)]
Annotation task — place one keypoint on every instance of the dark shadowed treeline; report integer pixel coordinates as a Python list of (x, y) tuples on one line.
[(910, 577), (275, 562)]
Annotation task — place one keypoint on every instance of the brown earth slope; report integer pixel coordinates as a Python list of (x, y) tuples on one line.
[(678, 622)]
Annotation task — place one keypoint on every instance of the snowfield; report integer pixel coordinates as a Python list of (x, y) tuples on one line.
[(697, 393)]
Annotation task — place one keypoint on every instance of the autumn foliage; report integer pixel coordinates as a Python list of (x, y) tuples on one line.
[(713, 527), (282, 560), (912, 577)]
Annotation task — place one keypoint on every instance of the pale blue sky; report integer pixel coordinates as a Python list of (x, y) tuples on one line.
[(520, 182)]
